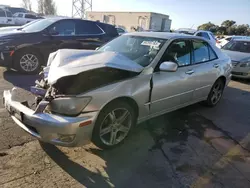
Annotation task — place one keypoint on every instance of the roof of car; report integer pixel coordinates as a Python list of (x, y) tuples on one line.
[(162, 35)]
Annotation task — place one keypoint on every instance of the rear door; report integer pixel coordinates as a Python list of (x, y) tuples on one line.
[(206, 66), (88, 34), (3, 18), (10, 19)]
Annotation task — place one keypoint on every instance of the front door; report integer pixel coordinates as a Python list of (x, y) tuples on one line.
[(174, 89)]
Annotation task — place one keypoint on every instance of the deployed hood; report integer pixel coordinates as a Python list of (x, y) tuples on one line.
[(237, 56), (68, 62)]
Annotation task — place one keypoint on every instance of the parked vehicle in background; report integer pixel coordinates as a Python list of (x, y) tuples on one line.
[(26, 50), (24, 18), (12, 28), (14, 10), (6, 17), (188, 31), (207, 35), (120, 30), (239, 51), (227, 39), (101, 95)]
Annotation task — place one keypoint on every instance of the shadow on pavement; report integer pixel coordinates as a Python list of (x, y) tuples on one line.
[(76, 171), (20, 80), (176, 127)]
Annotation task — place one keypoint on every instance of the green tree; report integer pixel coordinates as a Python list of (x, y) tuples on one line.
[(228, 23), (207, 26), (46, 7), (242, 29)]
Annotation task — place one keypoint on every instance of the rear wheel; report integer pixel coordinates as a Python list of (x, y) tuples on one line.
[(113, 125), (215, 93), (28, 62)]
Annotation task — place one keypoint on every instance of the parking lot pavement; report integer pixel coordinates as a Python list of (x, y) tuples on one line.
[(192, 147)]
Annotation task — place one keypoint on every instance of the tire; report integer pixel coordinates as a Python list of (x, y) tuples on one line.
[(211, 99), (34, 65), (105, 125)]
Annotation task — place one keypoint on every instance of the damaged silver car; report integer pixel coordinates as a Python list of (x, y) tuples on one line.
[(101, 95)]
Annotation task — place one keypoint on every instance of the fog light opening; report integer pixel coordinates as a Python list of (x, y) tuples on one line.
[(66, 137)]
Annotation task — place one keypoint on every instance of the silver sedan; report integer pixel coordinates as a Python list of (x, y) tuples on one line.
[(101, 95)]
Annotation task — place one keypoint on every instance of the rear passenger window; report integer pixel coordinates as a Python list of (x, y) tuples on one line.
[(205, 35), (2, 13), (85, 28), (200, 52), (9, 15), (212, 55)]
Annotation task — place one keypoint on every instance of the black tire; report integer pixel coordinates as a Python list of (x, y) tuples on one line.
[(210, 101), (96, 136), (17, 59)]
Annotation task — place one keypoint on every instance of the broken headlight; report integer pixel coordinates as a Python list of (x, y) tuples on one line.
[(69, 105)]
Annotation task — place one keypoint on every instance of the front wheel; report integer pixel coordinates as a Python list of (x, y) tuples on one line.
[(28, 62), (113, 125), (215, 93)]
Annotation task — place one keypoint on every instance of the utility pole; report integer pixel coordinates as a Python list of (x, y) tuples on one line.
[(80, 8)]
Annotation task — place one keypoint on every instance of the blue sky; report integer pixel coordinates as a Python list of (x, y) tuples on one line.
[(184, 13)]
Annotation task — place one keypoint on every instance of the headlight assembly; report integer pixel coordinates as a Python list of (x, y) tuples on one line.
[(71, 106), (245, 64)]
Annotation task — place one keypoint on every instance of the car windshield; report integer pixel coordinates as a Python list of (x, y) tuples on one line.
[(238, 46), (141, 50), (39, 25)]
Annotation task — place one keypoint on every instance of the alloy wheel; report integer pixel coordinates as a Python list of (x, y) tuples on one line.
[(217, 93), (115, 126), (29, 62)]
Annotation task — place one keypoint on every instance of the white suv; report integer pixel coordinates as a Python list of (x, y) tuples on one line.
[(6, 17), (21, 18)]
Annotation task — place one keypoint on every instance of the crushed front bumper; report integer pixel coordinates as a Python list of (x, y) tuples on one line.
[(51, 128)]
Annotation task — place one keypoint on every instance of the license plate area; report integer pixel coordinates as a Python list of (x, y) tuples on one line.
[(16, 113)]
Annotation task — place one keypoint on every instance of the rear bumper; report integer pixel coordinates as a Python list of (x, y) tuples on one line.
[(51, 128)]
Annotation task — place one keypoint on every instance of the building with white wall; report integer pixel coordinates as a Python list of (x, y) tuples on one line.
[(133, 20)]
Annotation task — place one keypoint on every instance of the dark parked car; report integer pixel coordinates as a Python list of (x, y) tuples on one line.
[(26, 50)]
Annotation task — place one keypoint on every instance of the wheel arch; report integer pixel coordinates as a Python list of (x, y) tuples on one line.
[(223, 78), (128, 100)]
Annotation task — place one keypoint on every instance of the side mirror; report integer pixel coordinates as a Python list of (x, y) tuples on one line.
[(97, 48), (168, 66)]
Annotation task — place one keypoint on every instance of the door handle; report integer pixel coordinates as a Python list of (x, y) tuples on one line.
[(190, 72), (216, 65)]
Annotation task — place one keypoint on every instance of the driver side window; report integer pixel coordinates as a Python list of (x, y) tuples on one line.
[(178, 52), (63, 28)]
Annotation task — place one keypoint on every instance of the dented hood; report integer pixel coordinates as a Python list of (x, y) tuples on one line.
[(67, 62)]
